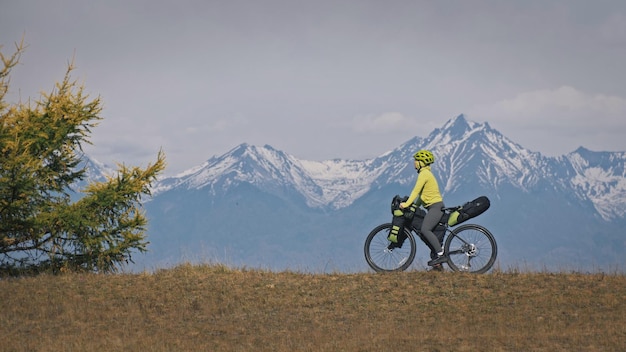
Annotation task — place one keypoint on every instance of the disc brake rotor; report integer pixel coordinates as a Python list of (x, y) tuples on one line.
[(470, 249)]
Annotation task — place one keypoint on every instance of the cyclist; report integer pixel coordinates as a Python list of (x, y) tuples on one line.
[(426, 193)]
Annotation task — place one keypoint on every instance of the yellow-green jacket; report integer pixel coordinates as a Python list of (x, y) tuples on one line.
[(426, 188)]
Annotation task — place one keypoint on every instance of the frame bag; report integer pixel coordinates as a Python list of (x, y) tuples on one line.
[(469, 210), (439, 230)]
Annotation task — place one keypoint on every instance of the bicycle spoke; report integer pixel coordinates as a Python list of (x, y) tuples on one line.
[(381, 257), (472, 249)]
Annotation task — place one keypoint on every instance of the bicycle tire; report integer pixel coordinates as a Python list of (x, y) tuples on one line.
[(471, 248), (382, 259)]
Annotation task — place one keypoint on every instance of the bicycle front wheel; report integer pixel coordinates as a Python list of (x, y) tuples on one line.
[(471, 248), (381, 256)]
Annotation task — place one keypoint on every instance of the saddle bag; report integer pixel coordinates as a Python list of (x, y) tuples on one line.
[(469, 210)]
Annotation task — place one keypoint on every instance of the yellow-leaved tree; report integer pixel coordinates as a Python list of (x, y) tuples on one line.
[(42, 230)]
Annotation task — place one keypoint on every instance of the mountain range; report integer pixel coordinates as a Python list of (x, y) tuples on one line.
[(263, 208)]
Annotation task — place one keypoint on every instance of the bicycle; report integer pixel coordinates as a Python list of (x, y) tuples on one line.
[(470, 247)]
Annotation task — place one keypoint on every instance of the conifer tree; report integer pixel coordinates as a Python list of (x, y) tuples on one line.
[(41, 228)]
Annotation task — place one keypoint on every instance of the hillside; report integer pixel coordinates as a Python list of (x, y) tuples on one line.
[(214, 308)]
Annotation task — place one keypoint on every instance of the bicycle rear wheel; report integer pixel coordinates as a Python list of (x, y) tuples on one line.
[(471, 248), (381, 257)]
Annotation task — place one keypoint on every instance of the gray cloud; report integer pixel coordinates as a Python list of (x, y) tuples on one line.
[(327, 79)]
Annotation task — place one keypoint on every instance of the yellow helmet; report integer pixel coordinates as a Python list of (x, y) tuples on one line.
[(424, 156)]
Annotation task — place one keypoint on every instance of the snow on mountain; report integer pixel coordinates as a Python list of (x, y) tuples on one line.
[(341, 182), (333, 182), (601, 177), (460, 145), (261, 166), (95, 171)]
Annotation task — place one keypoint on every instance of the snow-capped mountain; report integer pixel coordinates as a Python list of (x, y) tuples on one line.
[(258, 206), (334, 183), (460, 145)]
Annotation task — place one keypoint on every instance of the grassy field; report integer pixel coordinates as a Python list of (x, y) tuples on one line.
[(215, 308)]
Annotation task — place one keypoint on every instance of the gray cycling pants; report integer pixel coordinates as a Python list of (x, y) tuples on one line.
[(433, 215)]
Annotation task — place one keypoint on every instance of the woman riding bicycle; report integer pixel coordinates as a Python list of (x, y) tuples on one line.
[(468, 248), (426, 193)]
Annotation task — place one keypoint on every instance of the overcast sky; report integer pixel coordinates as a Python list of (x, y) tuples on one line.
[(326, 79)]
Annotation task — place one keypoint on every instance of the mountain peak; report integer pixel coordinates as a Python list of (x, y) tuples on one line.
[(582, 150), (457, 123), (245, 150), (239, 150), (460, 125), (453, 130)]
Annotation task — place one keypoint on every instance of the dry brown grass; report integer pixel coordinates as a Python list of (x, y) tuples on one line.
[(214, 308)]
